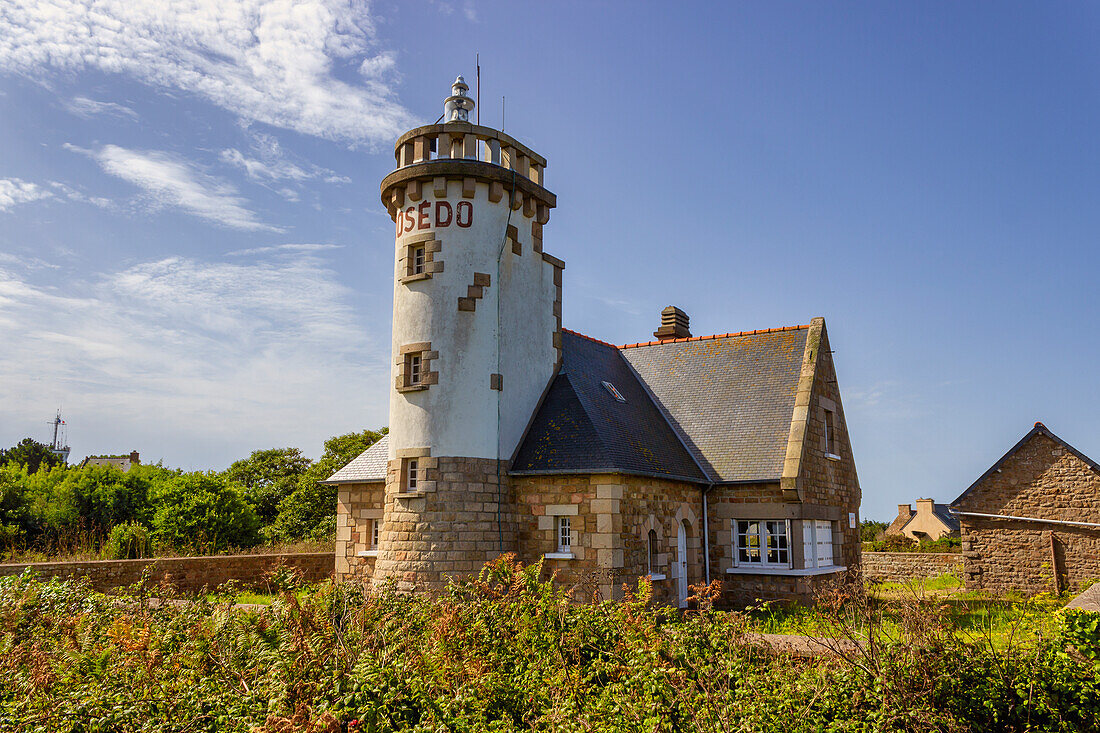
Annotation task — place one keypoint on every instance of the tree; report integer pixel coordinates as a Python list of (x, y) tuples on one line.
[(309, 510), (870, 530), (267, 477), (203, 511), (31, 454)]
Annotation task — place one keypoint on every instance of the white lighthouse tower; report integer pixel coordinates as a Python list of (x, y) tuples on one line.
[(476, 341)]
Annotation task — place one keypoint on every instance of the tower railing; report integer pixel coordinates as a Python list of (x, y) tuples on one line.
[(463, 141)]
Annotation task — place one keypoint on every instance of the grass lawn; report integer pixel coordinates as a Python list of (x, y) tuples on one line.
[(1000, 620)]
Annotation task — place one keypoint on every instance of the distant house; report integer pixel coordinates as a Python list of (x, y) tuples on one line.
[(120, 462), (1032, 521), (930, 521)]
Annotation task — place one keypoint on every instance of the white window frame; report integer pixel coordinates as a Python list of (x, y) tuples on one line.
[(416, 369), (831, 448), (412, 473), (419, 257), (565, 538), (375, 527), (765, 531)]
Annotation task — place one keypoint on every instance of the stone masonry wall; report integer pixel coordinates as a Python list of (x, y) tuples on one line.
[(900, 567), (357, 506), (610, 515), (448, 528), (1042, 480), (187, 574)]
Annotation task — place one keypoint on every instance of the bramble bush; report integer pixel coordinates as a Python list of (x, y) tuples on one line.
[(506, 651)]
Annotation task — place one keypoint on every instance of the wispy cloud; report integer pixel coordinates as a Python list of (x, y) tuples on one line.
[(15, 191), (273, 347), (266, 60), (284, 249), (169, 181), (84, 107), (269, 164)]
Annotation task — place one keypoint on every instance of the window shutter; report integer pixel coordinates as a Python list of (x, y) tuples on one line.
[(824, 544), (809, 547)]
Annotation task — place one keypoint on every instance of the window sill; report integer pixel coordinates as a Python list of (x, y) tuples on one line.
[(414, 278), (409, 494), (560, 556), (746, 570), (367, 553), (412, 388), (832, 456), (657, 576)]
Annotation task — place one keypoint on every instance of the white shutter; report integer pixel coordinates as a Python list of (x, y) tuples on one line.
[(824, 531), (809, 549)]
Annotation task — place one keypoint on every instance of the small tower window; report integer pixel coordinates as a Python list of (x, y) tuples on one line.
[(418, 260), (414, 369), (412, 474), (614, 392), (564, 538)]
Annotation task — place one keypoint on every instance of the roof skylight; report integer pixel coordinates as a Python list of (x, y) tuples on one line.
[(614, 392)]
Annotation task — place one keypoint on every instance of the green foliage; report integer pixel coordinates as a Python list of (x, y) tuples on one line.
[(30, 454), (128, 542), (870, 530), (268, 477), (901, 543), (310, 510), (506, 651), (203, 512), (1081, 629)]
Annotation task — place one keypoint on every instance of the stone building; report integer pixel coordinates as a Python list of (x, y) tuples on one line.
[(121, 462), (929, 521), (1031, 522), (683, 458)]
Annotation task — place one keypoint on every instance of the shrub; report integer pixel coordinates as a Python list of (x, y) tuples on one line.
[(202, 512), (128, 542)]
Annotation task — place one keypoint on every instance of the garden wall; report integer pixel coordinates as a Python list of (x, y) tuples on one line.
[(188, 574), (898, 567)]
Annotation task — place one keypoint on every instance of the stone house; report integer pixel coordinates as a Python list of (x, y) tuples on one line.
[(1031, 522), (929, 521), (121, 462), (687, 459)]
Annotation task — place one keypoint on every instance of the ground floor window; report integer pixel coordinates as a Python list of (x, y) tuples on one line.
[(817, 543), (375, 524), (763, 542), (564, 538)]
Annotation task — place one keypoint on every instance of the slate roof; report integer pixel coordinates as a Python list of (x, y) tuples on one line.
[(370, 465), (731, 397), (582, 427), (716, 409)]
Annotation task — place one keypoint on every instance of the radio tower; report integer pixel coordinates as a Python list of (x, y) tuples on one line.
[(58, 447)]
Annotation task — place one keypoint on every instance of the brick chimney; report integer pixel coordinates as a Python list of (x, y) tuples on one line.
[(135, 459), (674, 325)]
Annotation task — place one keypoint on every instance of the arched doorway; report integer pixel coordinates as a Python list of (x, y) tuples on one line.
[(682, 563)]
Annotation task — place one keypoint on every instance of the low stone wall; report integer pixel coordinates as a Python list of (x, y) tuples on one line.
[(899, 567), (188, 574)]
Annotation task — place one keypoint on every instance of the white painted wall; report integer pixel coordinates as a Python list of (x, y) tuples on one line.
[(458, 416)]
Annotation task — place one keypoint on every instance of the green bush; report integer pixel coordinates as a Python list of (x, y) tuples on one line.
[(202, 512), (506, 651), (128, 542)]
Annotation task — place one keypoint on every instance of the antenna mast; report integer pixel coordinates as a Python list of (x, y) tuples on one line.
[(59, 447), (477, 63)]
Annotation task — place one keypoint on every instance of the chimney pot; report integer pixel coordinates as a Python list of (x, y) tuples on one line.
[(674, 325), (135, 458)]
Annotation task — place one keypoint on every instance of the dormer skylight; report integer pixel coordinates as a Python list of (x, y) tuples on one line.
[(614, 392)]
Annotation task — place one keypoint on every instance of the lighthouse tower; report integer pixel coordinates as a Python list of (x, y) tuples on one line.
[(476, 341)]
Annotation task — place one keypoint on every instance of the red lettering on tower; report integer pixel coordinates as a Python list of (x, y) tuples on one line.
[(422, 220), (469, 214), (440, 206)]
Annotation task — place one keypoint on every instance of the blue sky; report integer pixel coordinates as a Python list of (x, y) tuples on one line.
[(194, 262)]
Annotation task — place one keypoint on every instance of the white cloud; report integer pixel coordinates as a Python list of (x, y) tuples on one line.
[(285, 249), (258, 170), (248, 354), (271, 164), (84, 107), (170, 181), (272, 61), (17, 191)]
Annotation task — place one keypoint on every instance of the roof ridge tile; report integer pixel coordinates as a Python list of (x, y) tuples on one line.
[(758, 331)]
